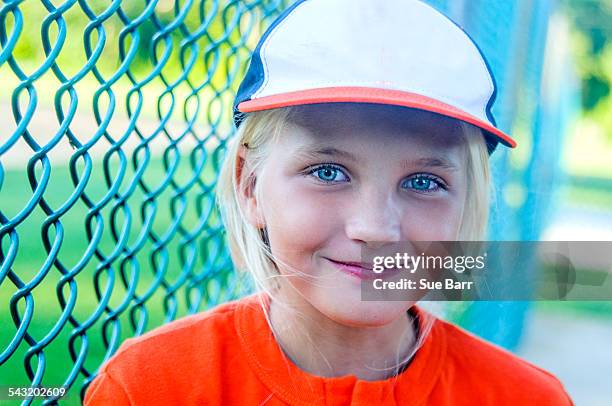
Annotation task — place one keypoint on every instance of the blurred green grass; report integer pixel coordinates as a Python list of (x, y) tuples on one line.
[(599, 309), (589, 193)]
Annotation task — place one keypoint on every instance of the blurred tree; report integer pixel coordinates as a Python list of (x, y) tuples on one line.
[(592, 22)]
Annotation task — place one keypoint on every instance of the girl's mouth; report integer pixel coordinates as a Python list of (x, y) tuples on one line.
[(360, 270)]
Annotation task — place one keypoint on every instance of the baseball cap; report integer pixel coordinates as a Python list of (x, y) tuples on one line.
[(394, 52)]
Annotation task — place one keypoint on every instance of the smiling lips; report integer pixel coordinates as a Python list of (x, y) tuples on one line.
[(361, 270)]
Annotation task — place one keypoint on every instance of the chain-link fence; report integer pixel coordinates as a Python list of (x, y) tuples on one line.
[(114, 116)]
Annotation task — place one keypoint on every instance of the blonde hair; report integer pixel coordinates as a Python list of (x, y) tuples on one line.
[(248, 245)]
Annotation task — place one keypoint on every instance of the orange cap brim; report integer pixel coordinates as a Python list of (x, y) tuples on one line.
[(371, 95)]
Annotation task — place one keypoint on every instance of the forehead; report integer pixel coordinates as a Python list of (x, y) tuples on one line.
[(374, 122)]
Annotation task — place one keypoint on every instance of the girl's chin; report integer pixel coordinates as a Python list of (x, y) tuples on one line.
[(343, 304), (365, 314)]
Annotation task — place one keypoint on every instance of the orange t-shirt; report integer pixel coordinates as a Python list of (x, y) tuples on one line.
[(228, 356)]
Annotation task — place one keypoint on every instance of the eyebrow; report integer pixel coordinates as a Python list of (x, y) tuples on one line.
[(431, 162), (318, 151), (427, 162)]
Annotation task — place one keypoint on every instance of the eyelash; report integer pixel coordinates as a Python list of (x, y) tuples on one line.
[(440, 184), (311, 170)]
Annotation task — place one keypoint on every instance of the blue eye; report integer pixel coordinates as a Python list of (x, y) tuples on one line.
[(423, 183), (329, 174)]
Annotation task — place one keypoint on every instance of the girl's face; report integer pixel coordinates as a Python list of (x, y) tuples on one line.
[(343, 177)]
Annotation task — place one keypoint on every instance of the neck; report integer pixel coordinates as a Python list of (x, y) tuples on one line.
[(323, 347)]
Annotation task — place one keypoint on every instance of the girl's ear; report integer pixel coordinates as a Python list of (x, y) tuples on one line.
[(245, 180)]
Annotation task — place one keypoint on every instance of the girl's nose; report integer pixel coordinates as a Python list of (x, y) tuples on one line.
[(374, 220)]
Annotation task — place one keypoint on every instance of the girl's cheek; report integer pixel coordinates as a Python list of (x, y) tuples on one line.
[(436, 221), (300, 219)]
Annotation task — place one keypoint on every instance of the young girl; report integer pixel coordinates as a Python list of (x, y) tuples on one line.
[(361, 123)]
